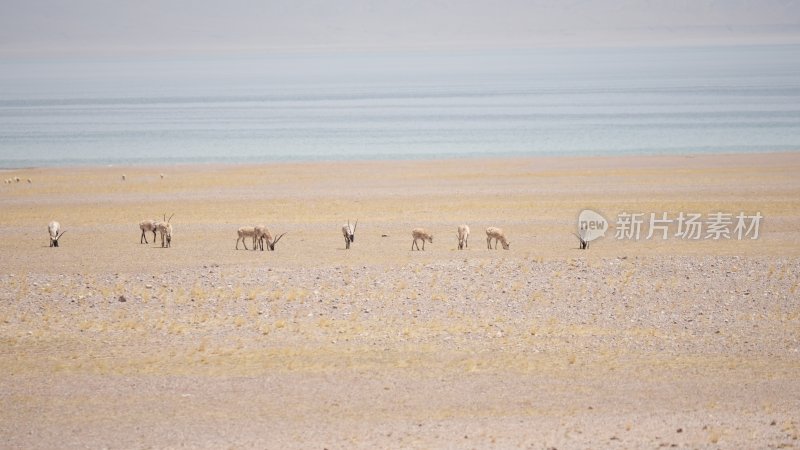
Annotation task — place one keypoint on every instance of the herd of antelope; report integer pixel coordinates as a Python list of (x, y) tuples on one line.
[(260, 234), (164, 228)]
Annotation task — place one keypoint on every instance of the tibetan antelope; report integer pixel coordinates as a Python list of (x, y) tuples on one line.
[(266, 235), (246, 232), (349, 233), (498, 235), (54, 230), (423, 234), (463, 235), (582, 239), (165, 230), (146, 226)]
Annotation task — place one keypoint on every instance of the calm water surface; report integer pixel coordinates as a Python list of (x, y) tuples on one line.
[(398, 106)]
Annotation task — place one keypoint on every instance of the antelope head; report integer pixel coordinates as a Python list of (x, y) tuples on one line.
[(58, 236)]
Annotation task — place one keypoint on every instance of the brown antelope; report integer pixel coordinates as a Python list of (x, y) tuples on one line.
[(498, 235), (266, 235), (146, 226), (165, 231), (349, 233), (463, 235), (245, 232), (423, 234)]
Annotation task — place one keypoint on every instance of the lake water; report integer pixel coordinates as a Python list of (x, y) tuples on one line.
[(297, 107)]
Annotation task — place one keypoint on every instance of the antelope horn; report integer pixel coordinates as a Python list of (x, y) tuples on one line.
[(58, 236), (354, 227), (170, 217), (278, 239)]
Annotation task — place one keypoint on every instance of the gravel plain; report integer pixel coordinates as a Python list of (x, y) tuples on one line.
[(108, 343)]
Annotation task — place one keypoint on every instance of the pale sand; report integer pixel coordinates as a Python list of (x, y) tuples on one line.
[(626, 345)]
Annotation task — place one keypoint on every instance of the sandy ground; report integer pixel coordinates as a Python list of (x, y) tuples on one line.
[(109, 343)]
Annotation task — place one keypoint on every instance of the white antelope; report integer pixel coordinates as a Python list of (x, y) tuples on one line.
[(266, 235), (165, 231), (54, 230), (498, 235), (423, 234), (349, 233), (147, 226), (463, 235), (246, 232)]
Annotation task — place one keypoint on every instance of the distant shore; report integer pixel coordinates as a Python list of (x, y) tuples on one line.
[(222, 161)]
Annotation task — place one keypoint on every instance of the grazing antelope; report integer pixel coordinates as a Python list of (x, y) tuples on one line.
[(349, 233), (266, 235), (261, 232), (463, 235), (420, 233), (165, 230), (582, 239), (54, 230), (245, 232), (146, 226), (498, 235)]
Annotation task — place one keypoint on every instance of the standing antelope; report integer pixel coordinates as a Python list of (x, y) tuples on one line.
[(148, 225), (244, 232), (420, 233), (349, 233), (463, 235), (54, 230), (165, 230), (498, 235), (266, 235)]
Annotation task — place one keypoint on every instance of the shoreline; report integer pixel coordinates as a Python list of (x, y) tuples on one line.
[(445, 159)]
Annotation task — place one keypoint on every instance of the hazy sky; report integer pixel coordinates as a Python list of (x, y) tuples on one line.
[(109, 26)]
